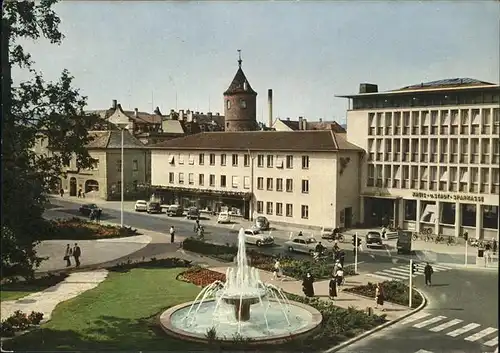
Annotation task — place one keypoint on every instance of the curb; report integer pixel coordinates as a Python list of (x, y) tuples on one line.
[(380, 327)]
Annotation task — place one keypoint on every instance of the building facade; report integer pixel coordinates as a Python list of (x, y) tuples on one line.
[(432, 156), (308, 178)]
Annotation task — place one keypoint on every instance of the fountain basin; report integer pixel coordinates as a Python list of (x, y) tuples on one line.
[(304, 319)]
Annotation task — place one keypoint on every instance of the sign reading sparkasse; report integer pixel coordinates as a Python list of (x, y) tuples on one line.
[(447, 197)]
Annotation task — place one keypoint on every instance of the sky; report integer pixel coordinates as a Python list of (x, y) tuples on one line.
[(183, 55)]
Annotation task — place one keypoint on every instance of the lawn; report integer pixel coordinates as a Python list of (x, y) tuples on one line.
[(14, 295), (117, 315), (17, 290)]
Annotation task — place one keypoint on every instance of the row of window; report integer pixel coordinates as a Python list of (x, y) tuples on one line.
[(135, 165), (262, 160), (279, 185), (278, 211)]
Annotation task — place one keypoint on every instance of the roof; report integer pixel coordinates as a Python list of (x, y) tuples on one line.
[(238, 84), (172, 127), (112, 140), (142, 117), (297, 141), (315, 125)]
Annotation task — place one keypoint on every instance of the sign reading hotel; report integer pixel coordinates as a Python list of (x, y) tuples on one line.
[(446, 197)]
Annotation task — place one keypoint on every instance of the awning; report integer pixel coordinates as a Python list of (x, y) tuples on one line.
[(379, 196)]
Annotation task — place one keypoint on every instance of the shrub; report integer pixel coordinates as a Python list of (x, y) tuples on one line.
[(171, 262), (38, 284), (79, 229), (394, 291), (35, 318), (19, 321), (201, 247)]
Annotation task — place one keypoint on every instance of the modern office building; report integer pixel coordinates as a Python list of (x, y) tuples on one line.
[(432, 155)]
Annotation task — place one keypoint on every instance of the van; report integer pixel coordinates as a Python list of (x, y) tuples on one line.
[(175, 210), (403, 245)]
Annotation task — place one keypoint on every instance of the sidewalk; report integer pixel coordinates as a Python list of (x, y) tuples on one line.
[(343, 300)]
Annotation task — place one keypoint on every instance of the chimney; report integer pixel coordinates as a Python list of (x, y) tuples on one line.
[(304, 124), (270, 103), (157, 111), (287, 119), (217, 114), (301, 125), (136, 112), (209, 114), (189, 116), (368, 88), (114, 103), (181, 114)]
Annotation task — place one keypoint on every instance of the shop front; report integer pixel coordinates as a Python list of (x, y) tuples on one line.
[(210, 201)]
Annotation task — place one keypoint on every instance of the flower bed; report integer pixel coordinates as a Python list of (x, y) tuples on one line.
[(201, 276), (79, 229), (395, 292), (171, 262), (19, 321)]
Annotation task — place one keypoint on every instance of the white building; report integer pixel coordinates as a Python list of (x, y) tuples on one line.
[(308, 178), (433, 155)]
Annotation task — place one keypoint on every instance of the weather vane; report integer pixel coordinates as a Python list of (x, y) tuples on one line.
[(239, 58)]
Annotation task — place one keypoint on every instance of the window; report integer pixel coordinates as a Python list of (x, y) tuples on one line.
[(490, 217), (181, 178), (191, 179), (135, 165), (304, 212), (212, 180), (289, 162), (305, 162), (260, 207), (96, 165), (371, 175), (447, 213), (119, 165), (222, 159), (305, 186), (191, 159), (269, 161), (212, 159), (279, 161), (228, 104), (410, 210), (235, 182), (260, 161), (279, 209), (201, 159), (269, 208), (181, 159), (260, 183), (279, 184), (289, 185), (171, 159), (246, 160), (201, 179), (269, 183), (171, 178), (468, 215), (243, 103), (246, 182), (289, 210), (134, 185), (223, 181), (234, 159)]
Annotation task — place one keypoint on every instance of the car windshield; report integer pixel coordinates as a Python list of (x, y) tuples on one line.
[(154, 204), (373, 235), (141, 202), (328, 230), (311, 241), (261, 219)]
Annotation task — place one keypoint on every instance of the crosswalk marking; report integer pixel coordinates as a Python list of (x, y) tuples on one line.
[(415, 317), (402, 270), (397, 274), (491, 343), (481, 334), (430, 321), (446, 325), (464, 329), (380, 275)]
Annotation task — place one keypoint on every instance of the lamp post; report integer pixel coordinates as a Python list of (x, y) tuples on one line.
[(122, 127)]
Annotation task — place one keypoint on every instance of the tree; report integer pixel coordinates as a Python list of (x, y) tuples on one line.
[(32, 112)]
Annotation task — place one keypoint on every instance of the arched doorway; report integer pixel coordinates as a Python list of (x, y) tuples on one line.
[(72, 186), (91, 185)]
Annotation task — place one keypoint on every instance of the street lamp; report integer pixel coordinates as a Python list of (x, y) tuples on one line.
[(122, 126)]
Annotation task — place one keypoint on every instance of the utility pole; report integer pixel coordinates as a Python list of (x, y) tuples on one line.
[(411, 283), (356, 254)]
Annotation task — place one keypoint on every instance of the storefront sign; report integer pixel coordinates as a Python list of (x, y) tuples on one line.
[(446, 197)]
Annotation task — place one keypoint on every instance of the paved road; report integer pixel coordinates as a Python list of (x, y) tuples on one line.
[(462, 317)]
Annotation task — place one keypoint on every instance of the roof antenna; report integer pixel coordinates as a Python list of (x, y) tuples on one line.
[(239, 60)]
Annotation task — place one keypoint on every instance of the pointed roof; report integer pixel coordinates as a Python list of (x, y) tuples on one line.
[(238, 84)]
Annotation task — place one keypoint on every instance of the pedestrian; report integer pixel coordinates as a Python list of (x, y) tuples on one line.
[(277, 270), (342, 258), (67, 255), (339, 275), (98, 215), (77, 252), (336, 266), (384, 231), (79, 193), (428, 271), (61, 192), (172, 234), (379, 296), (308, 285), (332, 286), (300, 234), (83, 194), (495, 246), (92, 215)]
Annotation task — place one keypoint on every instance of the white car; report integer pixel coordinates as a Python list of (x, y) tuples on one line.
[(141, 205), (301, 244), (224, 217), (255, 236)]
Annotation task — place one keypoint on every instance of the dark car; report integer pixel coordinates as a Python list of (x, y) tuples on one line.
[(373, 239), (403, 244), (262, 223), (87, 208), (153, 207), (193, 213)]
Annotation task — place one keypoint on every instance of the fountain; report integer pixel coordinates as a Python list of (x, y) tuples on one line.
[(244, 306)]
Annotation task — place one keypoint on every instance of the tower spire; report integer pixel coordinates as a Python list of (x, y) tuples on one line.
[(239, 58)]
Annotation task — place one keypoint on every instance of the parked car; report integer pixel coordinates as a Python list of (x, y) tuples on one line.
[(224, 217), (141, 206), (193, 213), (374, 238), (87, 208), (301, 244), (262, 223), (175, 210), (154, 207), (255, 236)]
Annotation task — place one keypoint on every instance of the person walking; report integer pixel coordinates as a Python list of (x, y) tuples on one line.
[(67, 255), (61, 192), (340, 276), (98, 215), (79, 193), (172, 234), (277, 270), (379, 296), (342, 258), (384, 231), (308, 285), (332, 288), (494, 246), (77, 252), (428, 271)]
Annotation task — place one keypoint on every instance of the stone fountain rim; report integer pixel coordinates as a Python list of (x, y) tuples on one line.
[(167, 327)]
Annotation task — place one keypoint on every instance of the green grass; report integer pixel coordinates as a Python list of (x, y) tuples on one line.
[(14, 295), (119, 314)]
